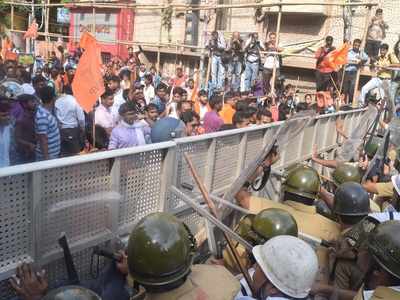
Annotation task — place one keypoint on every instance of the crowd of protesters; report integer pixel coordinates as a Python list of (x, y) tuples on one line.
[(141, 106)]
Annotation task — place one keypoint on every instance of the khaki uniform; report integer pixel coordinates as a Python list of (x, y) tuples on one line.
[(205, 282), (347, 273), (380, 293), (307, 218)]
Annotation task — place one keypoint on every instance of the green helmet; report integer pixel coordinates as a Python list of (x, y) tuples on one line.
[(160, 250), (351, 199), (384, 246), (346, 173), (272, 222), (303, 181), (372, 146), (71, 292), (245, 230)]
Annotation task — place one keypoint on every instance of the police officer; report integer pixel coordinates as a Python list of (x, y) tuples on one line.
[(382, 263), (286, 268), (351, 205), (300, 189), (160, 256), (346, 172), (257, 229)]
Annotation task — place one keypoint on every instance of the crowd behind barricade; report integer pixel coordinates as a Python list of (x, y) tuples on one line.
[(332, 236), (139, 106)]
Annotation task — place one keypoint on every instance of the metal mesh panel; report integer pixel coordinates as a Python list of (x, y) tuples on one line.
[(68, 203), (254, 145), (292, 150), (140, 185), (331, 135), (320, 133), (226, 160), (306, 148), (15, 221), (193, 220), (198, 153)]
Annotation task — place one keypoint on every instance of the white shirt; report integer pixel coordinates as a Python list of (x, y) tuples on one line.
[(203, 111), (149, 94), (104, 117), (69, 113), (271, 61), (118, 101), (368, 294), (385, 216)]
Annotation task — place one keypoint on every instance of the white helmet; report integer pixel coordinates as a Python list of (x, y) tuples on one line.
[(289, 263)]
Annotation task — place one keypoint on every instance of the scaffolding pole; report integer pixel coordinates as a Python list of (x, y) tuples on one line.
[(278, 32), (183, 7), (362, 47)]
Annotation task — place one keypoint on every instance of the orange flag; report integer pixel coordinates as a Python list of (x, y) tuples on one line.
[(88, 83), (337, 58), (32, 31)]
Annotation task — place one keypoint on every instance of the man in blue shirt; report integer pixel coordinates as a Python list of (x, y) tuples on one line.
[(46, 126), (356, 58)]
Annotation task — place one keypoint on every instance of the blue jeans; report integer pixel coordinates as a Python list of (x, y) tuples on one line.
[(394, 86), (235, 71), (217, 72), (251, 74)]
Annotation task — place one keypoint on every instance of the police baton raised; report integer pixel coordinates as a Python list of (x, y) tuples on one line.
[(214, 212)]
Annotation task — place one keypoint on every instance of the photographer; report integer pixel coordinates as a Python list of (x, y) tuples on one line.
[(252, 49), (235, 49), (217, 47)]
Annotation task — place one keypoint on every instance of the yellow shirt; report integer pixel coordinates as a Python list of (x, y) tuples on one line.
[(386, 61)]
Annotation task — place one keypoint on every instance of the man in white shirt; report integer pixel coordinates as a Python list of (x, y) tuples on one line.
[(148, 90), (71, 121), (114, 84)]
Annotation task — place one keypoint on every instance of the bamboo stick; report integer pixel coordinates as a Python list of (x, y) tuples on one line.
[(362, 47), (278, 31), (213, 211)]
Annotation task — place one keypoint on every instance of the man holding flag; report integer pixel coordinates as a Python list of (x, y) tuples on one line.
[(324, 72)]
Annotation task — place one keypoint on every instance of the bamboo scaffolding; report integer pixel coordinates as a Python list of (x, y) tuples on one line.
[(362, 47), (183, 7), (278, 33)]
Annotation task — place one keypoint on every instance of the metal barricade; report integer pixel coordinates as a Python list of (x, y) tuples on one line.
[(97, 197)]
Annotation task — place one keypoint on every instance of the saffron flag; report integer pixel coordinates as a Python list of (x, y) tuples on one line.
[(32, 31), (337, 58), (88, 83)]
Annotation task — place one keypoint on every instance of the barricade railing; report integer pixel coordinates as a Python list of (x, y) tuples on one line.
[(97, 198)]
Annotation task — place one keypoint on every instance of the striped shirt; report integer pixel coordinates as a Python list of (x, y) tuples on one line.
[(46, 124)]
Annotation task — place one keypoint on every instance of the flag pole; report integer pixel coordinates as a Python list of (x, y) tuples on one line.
[(94, 127)]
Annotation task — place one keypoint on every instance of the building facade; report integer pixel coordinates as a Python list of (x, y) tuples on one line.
[(299, 24)]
